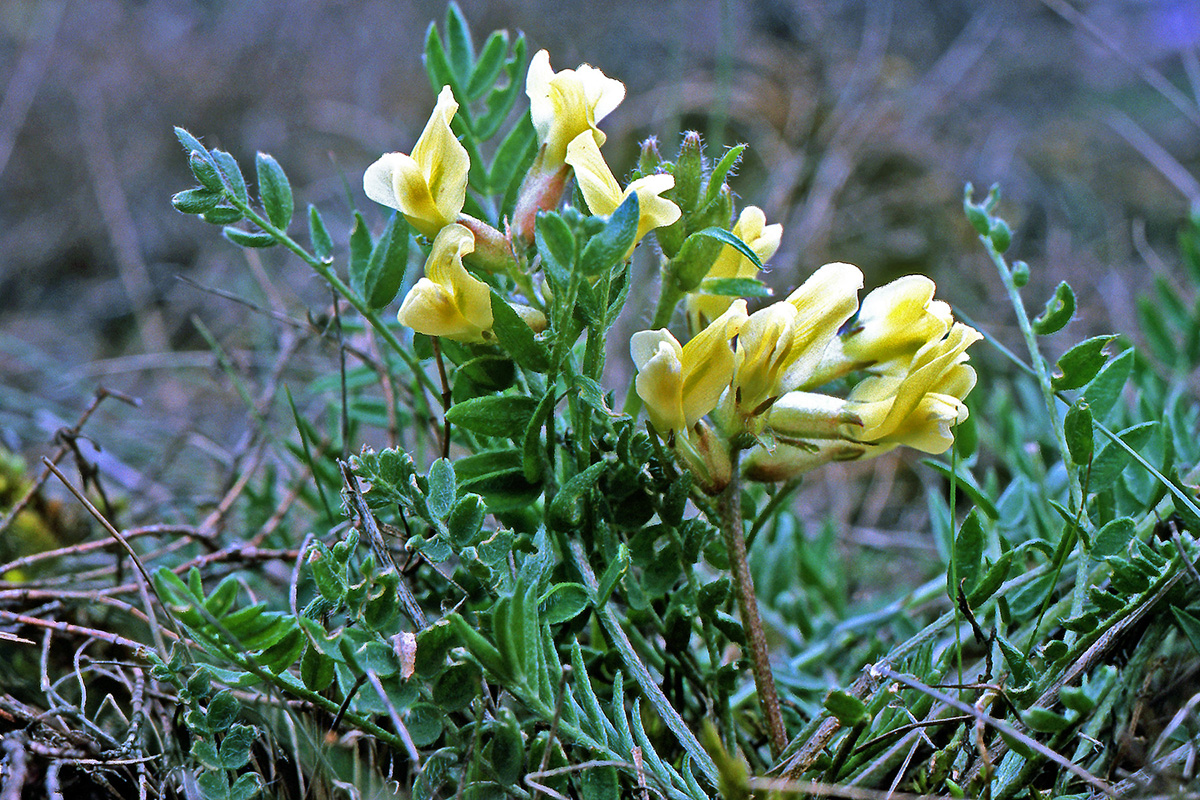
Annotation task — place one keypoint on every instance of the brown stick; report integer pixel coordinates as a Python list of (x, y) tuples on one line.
[(730, 505)]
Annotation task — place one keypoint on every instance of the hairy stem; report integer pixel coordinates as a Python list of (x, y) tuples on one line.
[(730, 505)]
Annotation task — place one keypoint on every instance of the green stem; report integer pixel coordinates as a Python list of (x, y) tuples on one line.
[(1038, 363), (730, 504), (1051, 400)]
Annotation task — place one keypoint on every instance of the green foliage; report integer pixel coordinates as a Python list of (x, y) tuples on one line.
[(525, 590)]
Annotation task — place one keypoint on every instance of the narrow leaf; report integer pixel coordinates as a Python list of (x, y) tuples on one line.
[(517, 338), (1077, 427), (503, 415), (610, 245)]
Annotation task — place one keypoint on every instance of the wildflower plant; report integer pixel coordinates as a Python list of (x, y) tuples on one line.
[(547, 588)]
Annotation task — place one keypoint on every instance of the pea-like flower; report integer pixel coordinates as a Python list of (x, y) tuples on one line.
[(916, 405), (893, 322), (680, 384), (567, 103), (448, 301), (762, 239), (603, 194), (781, 346), (428, 187)]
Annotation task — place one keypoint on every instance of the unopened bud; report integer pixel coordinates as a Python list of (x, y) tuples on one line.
[(689, 173)]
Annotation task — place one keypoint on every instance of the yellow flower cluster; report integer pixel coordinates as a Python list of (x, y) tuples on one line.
[(429, 188), (754, 374)]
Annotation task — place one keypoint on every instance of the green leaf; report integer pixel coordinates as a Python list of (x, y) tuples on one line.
[(847, 709), (501, 98), (563, 602), (190, 143), (360, 255), (734, 287), (500, 416), (613, 573), (284, 652), (992, 580), (222, 215), (531, 448), (968, 552), (442, 488), (222, 711), (437, 65), (245, 787), (483, 651), (1043, 720), (1081, 363), (515, 151), (235, 746), (563, 512), (508, 751), (1189, 625), (728, 237), (1113, 537), (717, 177), (609, 247), (465, 520), (318, 234), (1058, 312), (204, 168), (206, 753), (383, 273), (1018, 665), (1105, 389), (458, 42), (221, 600), (195, 201), (433, 644), (274, 191), (556, 246), (457, 686), (599, 783), (1076, 698), (488, 65), (316, 670), (231, 175), (248, 239), (1077, 427), (516, 337)]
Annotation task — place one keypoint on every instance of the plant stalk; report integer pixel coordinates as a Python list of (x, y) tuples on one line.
[(730, 506)]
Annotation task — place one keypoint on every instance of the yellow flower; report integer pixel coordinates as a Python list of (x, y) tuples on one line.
[(679, 385), (448, 301), (430, 186), (916, 404), (893, 323), (603, 194), (567, 103), (781, 346), (762, 239)]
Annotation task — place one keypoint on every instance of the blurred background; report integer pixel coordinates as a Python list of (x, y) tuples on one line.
[(864, 121)]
